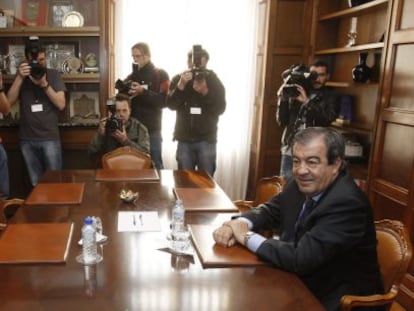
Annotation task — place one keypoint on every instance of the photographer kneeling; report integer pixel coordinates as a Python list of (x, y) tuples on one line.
[(119, 130), (303, 101)]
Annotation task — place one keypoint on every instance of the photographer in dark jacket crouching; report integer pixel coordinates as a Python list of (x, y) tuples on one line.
[(119, 130), (198, 97)]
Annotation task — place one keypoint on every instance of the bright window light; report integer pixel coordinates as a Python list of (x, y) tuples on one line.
[(227, 30)]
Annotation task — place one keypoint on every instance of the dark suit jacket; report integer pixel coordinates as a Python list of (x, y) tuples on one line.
[(336, 251)]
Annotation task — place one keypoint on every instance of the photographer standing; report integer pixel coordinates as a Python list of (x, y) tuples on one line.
[(317, 106), (149, 87), (198, 97), (119, 130), (41, 94)]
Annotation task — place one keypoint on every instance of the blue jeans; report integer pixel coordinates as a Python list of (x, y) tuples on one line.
[(156, 149), (286, 166), (41, 155), (4, 174), (200, 155)]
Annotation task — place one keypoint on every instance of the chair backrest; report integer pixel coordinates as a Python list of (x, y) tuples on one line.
[(394, 251), (8, 209), (126, 158), (267, 187)]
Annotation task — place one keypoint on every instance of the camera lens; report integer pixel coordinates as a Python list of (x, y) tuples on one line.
[(113, 124), (36, 70)]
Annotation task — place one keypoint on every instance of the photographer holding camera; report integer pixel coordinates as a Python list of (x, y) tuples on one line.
[(148, 86), (198, 97), (41, 95), (303, 101), (119, 130)]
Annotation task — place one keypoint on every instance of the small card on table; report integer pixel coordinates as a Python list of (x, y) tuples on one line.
[(137, 221)]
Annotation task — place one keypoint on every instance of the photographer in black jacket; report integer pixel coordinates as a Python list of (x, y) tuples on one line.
[(315, 106), (148, 88), (198, 97)]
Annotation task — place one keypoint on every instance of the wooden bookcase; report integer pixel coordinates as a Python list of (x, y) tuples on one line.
[(91, 38), (332, 22)]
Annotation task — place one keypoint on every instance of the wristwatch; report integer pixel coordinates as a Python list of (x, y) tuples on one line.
[(247, 236)]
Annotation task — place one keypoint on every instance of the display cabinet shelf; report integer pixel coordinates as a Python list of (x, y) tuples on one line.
[(87, 31), (334, 23), (355, 11), (352, 127), (351, 49), (81, 78), (67, 78), (339, 84)]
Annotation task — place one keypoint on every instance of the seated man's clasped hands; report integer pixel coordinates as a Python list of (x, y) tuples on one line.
[(324, 221)]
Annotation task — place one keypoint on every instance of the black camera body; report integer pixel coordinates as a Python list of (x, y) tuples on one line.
[(123, 87), (33, 48), (197, 54), (198, 72), (112, 123), (297, 75)]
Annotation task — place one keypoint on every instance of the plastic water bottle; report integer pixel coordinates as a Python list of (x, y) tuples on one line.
[(178, 217), (89, 247), (179, 232)]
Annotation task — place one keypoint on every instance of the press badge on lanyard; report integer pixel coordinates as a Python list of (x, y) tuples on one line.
[(36, 107), (195, 110)]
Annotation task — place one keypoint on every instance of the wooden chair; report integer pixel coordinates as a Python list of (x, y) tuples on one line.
[(8, 208), (126, 158), (266, 188), (394, 255)]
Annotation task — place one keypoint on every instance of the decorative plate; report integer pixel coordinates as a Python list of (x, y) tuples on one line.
[(72, 19), (91, 60), (72, 65)]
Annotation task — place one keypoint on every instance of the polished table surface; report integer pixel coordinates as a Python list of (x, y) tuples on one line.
[(135, 274)]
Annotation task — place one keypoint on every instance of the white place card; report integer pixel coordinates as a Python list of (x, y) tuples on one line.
[(136, 221)]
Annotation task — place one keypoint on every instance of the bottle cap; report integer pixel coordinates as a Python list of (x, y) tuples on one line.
[(88, 220)]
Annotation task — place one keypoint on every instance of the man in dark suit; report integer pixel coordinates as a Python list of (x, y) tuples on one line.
[(325, 223)]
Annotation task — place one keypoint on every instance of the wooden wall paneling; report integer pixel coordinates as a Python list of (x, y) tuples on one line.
[(406, 20), (391, 208), (287, 44), (405, 296), (397, 157), (392, 160), (391, 175), (402, 91)]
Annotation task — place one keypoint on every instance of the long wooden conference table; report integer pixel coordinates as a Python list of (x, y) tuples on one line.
[(136, 272)]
